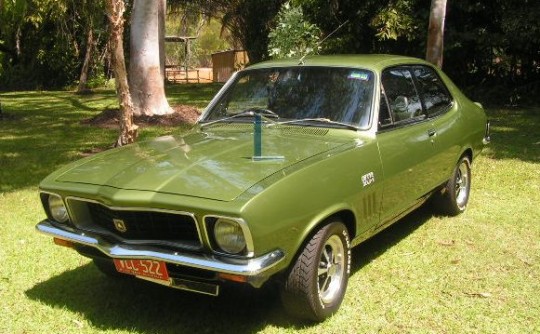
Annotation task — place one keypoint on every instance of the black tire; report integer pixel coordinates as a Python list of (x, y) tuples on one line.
[(314, 286), (455, 196), (107, 267)]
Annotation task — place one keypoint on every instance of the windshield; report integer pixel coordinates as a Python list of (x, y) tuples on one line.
[(339, 95)]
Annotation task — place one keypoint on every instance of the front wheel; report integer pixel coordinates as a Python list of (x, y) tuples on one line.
[(455, 196), (317, 280)]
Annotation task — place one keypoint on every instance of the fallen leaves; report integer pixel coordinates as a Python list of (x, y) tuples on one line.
[(447, 243), (478, 294)]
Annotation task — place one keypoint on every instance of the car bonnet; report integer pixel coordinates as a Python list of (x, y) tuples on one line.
[(216, 165)]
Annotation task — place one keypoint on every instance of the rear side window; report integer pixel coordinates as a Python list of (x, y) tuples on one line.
[(401, 93), (434, 93)]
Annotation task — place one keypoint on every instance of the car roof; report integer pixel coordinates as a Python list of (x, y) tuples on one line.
[(375, 62)]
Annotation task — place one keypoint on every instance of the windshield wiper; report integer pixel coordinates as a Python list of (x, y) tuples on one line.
[(266, 114), (320, 120)]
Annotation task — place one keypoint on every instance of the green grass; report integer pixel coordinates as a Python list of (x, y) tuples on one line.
[(476, 273)]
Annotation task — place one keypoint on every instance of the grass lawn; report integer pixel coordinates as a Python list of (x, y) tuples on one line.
[(476, 273)]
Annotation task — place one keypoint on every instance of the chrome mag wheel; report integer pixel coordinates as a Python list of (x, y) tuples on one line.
[(331, 269)]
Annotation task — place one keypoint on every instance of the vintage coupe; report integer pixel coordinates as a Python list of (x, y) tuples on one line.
[(290, 166)]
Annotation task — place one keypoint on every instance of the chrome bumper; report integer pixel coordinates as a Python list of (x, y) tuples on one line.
[(258, 270)]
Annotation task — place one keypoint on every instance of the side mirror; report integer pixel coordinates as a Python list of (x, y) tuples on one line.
[(401, 104)]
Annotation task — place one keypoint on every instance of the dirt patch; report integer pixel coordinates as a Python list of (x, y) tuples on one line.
[(182, 115)]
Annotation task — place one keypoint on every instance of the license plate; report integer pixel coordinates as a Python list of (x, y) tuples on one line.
[(143, 268)]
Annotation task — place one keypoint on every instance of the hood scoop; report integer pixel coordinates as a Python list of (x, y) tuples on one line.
[(257, 143)]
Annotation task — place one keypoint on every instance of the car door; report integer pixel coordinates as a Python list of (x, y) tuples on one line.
[(442, 113), (405, 140)]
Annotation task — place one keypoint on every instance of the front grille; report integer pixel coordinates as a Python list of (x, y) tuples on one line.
[(139, 226)]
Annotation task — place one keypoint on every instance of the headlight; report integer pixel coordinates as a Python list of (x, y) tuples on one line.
[(57, 208), (229, 236)]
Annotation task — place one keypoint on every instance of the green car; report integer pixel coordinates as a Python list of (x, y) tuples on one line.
[(290, 166)]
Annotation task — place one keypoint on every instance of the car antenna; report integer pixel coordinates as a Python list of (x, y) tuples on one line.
[(301, 62)]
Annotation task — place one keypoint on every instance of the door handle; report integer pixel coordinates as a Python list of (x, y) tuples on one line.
[(432, 133)]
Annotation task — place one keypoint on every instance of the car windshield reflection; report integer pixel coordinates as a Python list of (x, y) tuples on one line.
[(339, 95)]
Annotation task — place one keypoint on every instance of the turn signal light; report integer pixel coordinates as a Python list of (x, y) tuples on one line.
[(62, 242), (234, 278)]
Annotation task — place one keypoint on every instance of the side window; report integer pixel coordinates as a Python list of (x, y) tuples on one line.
[(434, 93), (402, 97)]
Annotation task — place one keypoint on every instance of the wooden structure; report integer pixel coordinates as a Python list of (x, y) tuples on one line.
[(182, 72), (225, 63)]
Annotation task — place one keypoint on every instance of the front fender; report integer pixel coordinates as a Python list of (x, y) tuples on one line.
[(288, 210)]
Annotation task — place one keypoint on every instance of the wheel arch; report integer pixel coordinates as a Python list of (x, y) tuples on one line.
[(297, 289), (345, 216), (468, 152)]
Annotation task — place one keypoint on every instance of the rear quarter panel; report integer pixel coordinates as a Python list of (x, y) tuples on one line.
[(467, 122)]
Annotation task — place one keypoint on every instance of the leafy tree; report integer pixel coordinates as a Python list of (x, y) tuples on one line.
[(293, 36), (12, 17), (41, 41), (395, 21), (90, 16), (249, 22)]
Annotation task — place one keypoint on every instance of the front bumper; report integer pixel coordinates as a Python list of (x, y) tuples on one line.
[(257, 270)]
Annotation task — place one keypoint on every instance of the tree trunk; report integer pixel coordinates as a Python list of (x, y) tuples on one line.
[(147, 58), (435, 41), (128, 130), (83, 80)]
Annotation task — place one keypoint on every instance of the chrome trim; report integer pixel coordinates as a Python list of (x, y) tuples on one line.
[(127, 208), (204, 288), (245, 229), (245, 267), (487, 135), (216, 98)]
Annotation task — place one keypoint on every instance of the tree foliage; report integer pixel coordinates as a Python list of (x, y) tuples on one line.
[(487, 42), (249, 22), (293, 36), (43, 41)]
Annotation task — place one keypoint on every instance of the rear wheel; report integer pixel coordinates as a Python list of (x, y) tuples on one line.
[(455, 196), (316, 282)]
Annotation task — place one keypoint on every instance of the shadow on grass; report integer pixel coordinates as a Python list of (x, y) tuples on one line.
[(197, 95), (372, 248), (131, 304), (42, 131), (515, 134)]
